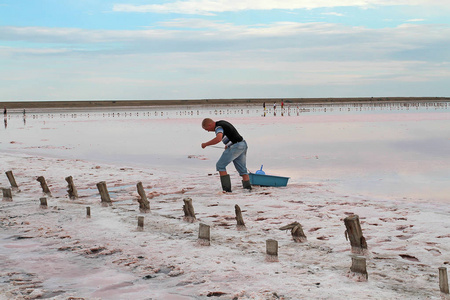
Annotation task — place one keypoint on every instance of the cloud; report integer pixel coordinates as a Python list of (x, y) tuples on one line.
[(211, 7), (218, 74), (313, 40), (75, 35), (203, 58), (333, 14), (31, 51)]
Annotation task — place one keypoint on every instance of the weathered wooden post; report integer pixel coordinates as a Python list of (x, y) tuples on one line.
[(297, 234), (43, 201), (240, 221), (140, 223), (7, 195), (204, 235), (103, 190), (188, 208), (11, 179), (443, 280), (44, 186), (354, 233), (71, 189), (359, 267), (88, 212), (271, 250), (144, 205), (296, 231)]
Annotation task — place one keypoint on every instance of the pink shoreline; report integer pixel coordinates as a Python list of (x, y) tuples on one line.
[(252, 101)]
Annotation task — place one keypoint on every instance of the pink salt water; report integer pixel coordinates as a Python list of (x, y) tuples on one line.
[(392, 150)]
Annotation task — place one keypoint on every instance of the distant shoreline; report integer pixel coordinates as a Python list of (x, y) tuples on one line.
[(269, 101)]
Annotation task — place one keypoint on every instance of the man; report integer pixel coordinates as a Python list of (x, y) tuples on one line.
[(235, 151)]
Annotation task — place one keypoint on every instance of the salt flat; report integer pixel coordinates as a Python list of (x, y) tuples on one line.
[(59, 253)]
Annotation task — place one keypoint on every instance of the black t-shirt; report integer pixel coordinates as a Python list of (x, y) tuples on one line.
[(230, 134)]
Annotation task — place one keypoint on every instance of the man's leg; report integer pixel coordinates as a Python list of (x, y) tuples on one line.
[(240, 164), (246, 183), (225, 181), (221, 164)]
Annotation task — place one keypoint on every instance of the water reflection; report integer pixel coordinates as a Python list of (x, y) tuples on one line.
[(179, 112), (298, 141)]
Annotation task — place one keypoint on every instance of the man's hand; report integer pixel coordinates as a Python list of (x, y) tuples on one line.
[(214, 141)]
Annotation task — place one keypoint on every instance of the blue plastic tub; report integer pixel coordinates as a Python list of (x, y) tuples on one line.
[(268, 180)]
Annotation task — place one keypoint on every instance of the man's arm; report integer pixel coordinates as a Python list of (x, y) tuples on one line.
[(214, 141)]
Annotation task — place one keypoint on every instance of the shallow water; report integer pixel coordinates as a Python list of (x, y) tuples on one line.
[(393, 150)]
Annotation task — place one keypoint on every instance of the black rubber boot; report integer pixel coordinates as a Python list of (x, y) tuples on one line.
[(226, 183), (246, 185)]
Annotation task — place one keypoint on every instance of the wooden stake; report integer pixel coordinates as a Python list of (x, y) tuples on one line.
[(103, 190), (298, 235), (239, 219), (43, 201), (144, 205), (359, 266), (44, 186), (272, 247), (88, 212), (140, 223), (71, 189), (354, 233), (443, 280), (271, 250), (204, 234), (7, 195), (188, 208), (11, 179), (296, 231)]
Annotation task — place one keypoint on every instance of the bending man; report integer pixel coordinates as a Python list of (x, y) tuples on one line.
[(235, 151)]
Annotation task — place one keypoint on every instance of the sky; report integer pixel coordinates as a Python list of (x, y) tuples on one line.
[(217, 49)]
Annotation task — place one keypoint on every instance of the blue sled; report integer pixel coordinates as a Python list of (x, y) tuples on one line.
[(268, 180)]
